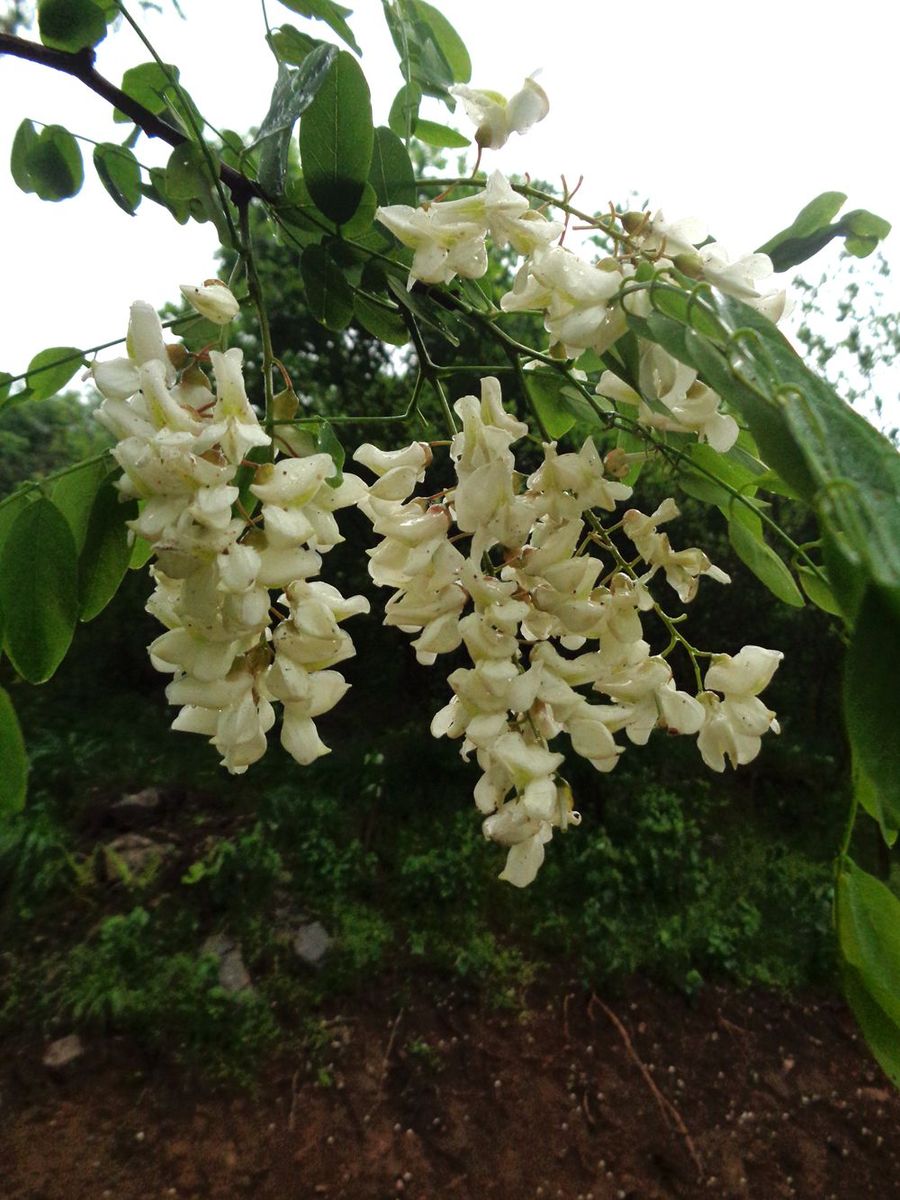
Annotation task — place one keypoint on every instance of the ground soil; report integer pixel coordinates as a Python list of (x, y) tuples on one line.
[(642, 1096)]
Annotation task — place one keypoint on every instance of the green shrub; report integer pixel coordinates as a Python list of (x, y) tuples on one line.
[(126, 979)]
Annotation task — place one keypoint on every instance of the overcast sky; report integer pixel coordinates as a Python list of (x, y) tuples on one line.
[(739, 114)]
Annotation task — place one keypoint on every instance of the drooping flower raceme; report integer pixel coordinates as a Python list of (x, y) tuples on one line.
[(181, 443), (542, 618)]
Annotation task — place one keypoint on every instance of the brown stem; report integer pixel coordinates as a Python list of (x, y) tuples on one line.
[(80, 65), (667, 1108)]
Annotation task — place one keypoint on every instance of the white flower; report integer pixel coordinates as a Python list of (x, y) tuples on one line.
[(496, 117), (682, 567), (144, 341), (680, 401), (504, 212), (569, 484), (117, 379), (574, 293), (443, 249), (212, 299), (746, 674), (733, 727), (235, 426), (656, 235), (745, 279)]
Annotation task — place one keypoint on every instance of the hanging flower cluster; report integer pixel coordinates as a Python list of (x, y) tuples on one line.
[(543, 616), (230, 650), (518, 568), (583, 304)]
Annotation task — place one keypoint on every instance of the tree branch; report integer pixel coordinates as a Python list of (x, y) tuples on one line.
[(80, 65)]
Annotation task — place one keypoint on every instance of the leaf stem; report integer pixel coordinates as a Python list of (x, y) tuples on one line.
[(255, 290), (187, 105), (52, 477)]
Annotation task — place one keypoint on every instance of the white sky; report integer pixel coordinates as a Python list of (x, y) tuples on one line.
[(739, 114)]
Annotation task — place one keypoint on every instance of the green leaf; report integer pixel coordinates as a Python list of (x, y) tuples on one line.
[(422, 62), (869, 799), (120, 174), (14, 776), (155, 190), (448, 41), (434, 134), (290, 46), (544, 392), (862, 232), (71, 24), (187, 173), (381, 320), (73, 494), (5, 383), (763, 562), (327, 442), (813, 228), (868, 926), (149, 84), (332, 14), (818, 590), (870, 698), (360, 224), (328, 293), (54, 164), (141, 553), (23, 144), (404, 112), (706, 490), (38, 590), (11, 506), (427, 311), (391, 173), (107, 551), (807, 234), (292, 95), (828, 453), (336, 140), (50, 370), (882, 1034)]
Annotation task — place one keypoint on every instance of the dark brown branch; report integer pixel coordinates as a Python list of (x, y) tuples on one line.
[(80, 65)]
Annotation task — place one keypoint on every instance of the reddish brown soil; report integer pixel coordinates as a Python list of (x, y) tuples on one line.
[(644, 1097)]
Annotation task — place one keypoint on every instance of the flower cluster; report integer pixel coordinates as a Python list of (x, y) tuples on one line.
[(181, 443), (541, 616), (583, 303)]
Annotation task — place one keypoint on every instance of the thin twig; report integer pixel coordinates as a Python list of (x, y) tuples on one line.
[(670, 1113), (294, 1095), (566, 999), (385, 1062), (80, 65)]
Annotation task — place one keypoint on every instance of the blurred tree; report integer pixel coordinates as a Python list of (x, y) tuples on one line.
[(37, 437), (858, 356)]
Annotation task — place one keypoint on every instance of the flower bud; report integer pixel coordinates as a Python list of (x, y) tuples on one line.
[(635, 222), (689, 264), (616, 463), (212, 300)]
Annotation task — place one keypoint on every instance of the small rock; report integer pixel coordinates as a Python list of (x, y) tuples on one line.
[(233, 974), (312, 942), (63, 1052), (137, 810), (133, 852)]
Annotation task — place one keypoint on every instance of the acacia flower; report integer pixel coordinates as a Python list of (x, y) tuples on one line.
[(496, 118), (212, 299)]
